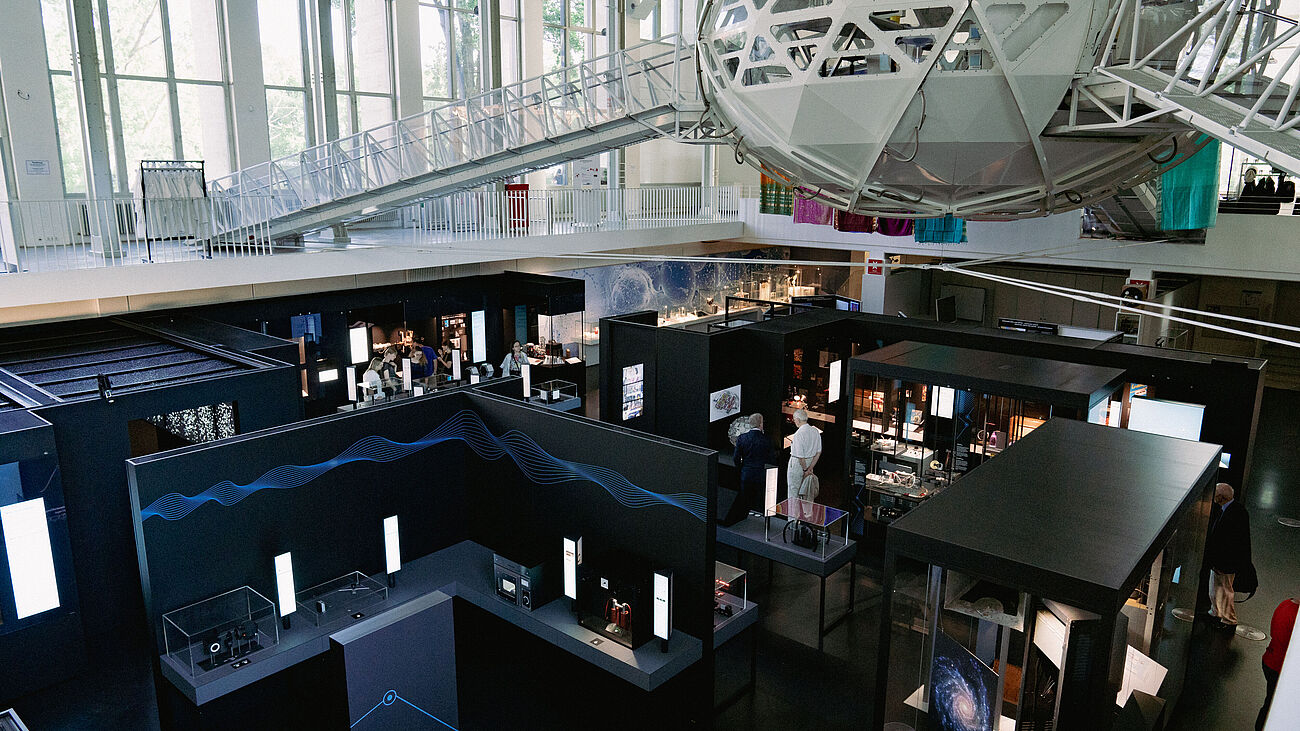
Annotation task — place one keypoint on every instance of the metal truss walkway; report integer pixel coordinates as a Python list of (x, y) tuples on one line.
[(609, 102), (1227, 68)]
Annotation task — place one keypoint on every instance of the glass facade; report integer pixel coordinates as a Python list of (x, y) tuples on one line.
[(168, 86), (164, 84)]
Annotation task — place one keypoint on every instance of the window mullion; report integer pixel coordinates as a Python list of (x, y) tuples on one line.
[(114, 106), (169, 68)]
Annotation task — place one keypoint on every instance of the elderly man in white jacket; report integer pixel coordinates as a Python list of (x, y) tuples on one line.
[(805, 450)]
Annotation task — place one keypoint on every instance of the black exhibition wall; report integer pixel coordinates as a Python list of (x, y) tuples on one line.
[(633, 518), (54, 636), (628, 343), (93, 445), (653, 498), (454, 465), (352, 471), (1230, 388)]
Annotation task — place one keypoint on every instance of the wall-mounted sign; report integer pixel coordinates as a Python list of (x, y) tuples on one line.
[(724, 403), (1028, 326), (633, 391), (38, 167)]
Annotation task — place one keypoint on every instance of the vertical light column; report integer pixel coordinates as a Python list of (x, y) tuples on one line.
[(247, 83), (31, 558), (662, 614), (392, 550), (284, 589)]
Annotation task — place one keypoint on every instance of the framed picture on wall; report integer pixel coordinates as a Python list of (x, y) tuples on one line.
[(724, 403)]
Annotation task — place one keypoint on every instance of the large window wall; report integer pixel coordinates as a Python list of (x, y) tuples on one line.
[(167, 83), (163, 81), (282, 28), (453, 52), (363, 64), (572, 32)]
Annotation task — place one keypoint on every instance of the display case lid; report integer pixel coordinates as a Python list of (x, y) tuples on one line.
[(1073, 511), (725, 574), (1036, 379)]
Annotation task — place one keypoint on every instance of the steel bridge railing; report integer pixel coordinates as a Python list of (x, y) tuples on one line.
[(624, 85)]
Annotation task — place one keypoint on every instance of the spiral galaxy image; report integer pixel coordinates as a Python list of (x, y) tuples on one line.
[(961, 689)]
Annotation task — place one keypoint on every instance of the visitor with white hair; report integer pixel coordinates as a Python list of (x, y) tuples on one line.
[(1227, 550), (805, 450)]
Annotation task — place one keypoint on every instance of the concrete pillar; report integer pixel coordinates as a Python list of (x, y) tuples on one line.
[(325, 94), (90, 99), (406, 50), (29, 105), (248, 85)]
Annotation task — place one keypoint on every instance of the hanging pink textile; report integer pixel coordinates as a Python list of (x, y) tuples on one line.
[(810, 211)]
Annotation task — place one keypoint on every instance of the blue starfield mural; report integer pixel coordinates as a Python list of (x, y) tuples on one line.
[(465, 426)]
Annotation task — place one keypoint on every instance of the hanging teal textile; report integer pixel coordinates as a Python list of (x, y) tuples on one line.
[(1189, 195), (946, 230)]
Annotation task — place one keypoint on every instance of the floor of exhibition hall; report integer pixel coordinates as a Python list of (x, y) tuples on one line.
[(799, 687)]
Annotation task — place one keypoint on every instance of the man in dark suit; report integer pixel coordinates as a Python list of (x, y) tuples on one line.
[(753, 452), (1227, 551)]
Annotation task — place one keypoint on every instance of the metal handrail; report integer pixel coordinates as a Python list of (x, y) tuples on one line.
[(64, 234), (497, 121)]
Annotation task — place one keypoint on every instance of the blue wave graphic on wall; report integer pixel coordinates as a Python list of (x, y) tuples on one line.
[(539, 465)]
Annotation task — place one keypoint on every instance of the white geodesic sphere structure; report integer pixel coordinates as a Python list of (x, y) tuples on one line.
[(922, 107)]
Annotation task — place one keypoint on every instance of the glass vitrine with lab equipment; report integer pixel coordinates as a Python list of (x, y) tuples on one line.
[(923, 415)]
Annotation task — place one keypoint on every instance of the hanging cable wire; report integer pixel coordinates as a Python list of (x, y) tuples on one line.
[(1036, 287), (1145, 303)]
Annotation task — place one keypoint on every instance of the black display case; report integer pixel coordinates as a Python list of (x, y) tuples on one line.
[(922, 415), (1025, 587)]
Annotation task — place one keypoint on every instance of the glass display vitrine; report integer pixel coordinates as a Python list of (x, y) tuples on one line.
[(730, 592), (910, 440), (1023, 661), (820, 519), (223, 630), (351, 595), (808, 387), (559, 337)]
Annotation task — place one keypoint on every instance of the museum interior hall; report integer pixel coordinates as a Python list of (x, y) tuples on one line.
[(649, 364)]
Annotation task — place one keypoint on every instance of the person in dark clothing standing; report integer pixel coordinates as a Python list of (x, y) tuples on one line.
[(753, 452), (1227, 551)]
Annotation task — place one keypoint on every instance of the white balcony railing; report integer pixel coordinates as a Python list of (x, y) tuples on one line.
[(85, 234), (40, 236), (492, 215)]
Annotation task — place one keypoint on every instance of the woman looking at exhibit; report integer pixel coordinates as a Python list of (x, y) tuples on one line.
[(514, 360), (420, 365), (388, 368), (443, 363), (371, 380)]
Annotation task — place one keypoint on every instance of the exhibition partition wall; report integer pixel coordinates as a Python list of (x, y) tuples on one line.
[(165, 387), (41, 640), (465, 474), (1230, 389), (700, 378)]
